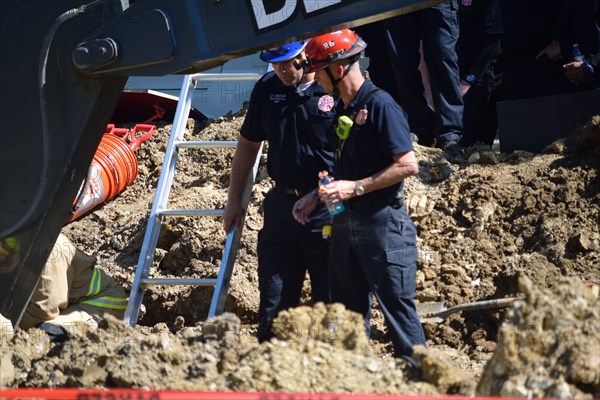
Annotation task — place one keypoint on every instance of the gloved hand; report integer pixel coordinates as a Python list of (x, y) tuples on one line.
[(419, 205)]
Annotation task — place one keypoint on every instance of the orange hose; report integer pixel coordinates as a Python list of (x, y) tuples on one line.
[(113, 168)]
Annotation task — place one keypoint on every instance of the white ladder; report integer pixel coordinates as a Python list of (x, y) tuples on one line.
[(159, 211)]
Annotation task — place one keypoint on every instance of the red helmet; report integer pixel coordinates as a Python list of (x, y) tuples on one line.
[(325, 49)]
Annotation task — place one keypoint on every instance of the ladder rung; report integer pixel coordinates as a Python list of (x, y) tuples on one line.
[(178, 281), (190, 213), (205, 145)]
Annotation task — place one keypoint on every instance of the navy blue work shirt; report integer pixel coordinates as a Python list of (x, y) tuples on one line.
[(371, 145), (529, 26), (579, 23), (300, 136)]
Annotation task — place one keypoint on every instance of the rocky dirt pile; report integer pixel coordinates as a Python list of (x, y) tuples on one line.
[(215, 357), (491, 222), (548, 345)]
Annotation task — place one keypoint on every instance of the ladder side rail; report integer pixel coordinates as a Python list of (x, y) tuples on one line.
[(188, 144), (232, 76), (232, 243), (217, 303), (190, 213), (160, 199)]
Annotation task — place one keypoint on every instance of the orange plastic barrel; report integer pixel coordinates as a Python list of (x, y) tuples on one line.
[(113, 168)]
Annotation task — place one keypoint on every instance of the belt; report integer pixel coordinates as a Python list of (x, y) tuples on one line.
[(292, 192), (361, 204)]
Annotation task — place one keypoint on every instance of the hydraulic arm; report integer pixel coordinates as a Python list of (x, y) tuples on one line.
[(64, 66)]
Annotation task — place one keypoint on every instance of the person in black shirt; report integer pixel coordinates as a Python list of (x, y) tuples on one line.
[(579, 24), (532, 61), (287, 109)]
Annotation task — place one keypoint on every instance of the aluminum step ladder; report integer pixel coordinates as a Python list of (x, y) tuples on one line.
[(160, 210)]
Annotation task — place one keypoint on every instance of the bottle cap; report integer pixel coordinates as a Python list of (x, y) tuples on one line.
[(326, 231)]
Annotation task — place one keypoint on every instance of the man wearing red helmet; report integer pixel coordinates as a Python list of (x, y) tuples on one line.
[(285, 111), (373, 243)]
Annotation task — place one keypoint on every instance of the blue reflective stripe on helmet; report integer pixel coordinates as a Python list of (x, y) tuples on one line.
[(284, 52)]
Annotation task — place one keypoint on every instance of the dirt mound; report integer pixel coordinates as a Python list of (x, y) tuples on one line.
[(548, 346), (493, 221), (214, 356)]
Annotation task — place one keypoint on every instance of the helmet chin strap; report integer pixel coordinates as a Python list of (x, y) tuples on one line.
[(334, 82), (300, 82)]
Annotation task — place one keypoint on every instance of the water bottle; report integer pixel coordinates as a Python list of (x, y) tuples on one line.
[(579, 57), (577, 54), (324, 179)]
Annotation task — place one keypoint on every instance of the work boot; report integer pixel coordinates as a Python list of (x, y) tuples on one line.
[(55, 332), (454, 151)]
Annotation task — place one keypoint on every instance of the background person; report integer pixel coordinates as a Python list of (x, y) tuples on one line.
[(579, 23), (477, 48), (437, 29), (532, 61)]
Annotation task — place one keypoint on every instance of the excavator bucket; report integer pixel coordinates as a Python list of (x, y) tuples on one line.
[(64, 66)]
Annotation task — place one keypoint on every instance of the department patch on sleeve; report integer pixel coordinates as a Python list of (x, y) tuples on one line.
[(361, 117), (325, 103)]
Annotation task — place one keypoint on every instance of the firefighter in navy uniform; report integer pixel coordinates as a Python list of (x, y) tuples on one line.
[(373, 243), (477, 48), (288, 110)]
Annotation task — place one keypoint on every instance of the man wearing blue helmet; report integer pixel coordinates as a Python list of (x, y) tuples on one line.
[(293, 114)]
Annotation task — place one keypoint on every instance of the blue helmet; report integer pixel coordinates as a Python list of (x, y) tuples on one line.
[(284, 52)]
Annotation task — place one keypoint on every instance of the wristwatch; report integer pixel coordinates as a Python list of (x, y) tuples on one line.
[(359, 190), (470, 79)]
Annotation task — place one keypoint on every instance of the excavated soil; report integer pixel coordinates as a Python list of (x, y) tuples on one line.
[(494, 226)]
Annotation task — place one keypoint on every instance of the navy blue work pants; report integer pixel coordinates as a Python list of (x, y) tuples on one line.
[(475, 116), (286, 251), (373, 252), (438, 27)]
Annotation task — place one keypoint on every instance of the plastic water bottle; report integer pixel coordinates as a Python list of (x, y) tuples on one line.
[(577, 54), (324, 179), (579, 57)]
